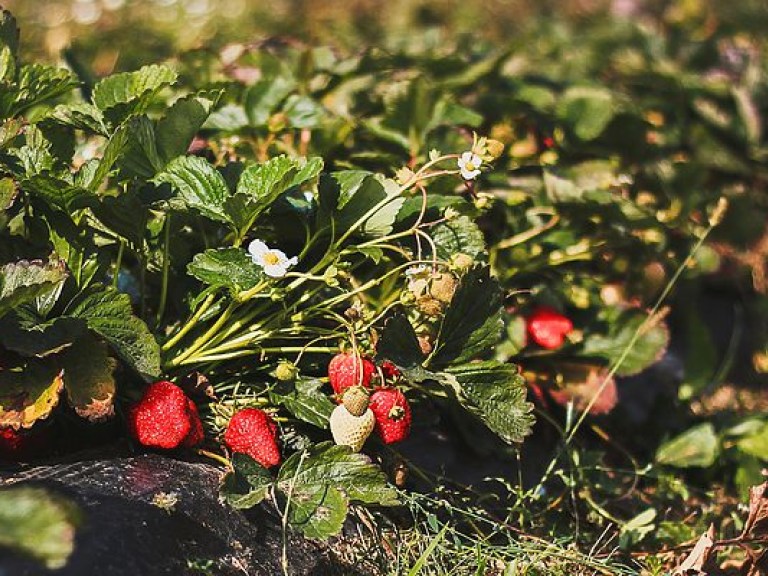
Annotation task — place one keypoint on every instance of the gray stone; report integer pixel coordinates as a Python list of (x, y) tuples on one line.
[(148, 515)]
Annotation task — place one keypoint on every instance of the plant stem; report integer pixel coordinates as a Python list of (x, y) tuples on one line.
[(202, 340), (118, 263), (190, 323), (195, 359), (166, 266)]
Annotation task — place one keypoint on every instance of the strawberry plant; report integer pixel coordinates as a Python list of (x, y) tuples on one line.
[(293, 259), (153, 262)]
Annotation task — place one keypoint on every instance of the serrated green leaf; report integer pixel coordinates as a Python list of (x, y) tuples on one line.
[(180, 124), (81, 115), (647, 350), (260, 185), (697, 447), (317, 511), (461, 235), (473, 323), (141, 157), (228, 118), (57, 192), (25, 281), (122, 95), (89, 380), (326, 464), (399, 344), (306, 402), (349, 197), (29, 392), (124, 215), (229, 267), (303, 112), (108, 313), (38, 524), (9, 31), (199, 185), (7, 193), (23, 332), (36, 84), (496, 393), (248, 484), (112, 152)]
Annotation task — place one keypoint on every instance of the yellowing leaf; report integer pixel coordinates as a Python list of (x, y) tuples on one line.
[(88, 379), (29, 393)]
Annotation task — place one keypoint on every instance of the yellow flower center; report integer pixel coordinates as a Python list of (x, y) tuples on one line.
[(270, 259), (469, 167)]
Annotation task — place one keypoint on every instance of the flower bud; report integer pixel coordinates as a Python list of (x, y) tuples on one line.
[(286, 371)]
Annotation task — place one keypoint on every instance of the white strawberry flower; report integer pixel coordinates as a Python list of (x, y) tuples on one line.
[(469, 165), (274, 262)]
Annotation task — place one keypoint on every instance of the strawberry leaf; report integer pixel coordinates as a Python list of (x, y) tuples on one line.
[(228, 267), (318, 483), (495, 393), (473, 323), (461, 235), (121, 95), (398, 343), (305, 401), (199, 185), (88, 379), (697, 447), (646, 350), (24, 281), (108, 313), (318, 511), (261, 184), (248, 484), (29, 393), (326, 464)]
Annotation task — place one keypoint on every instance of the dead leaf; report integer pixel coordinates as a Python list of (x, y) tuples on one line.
[(699, 555), (756, 525), (757, 566)]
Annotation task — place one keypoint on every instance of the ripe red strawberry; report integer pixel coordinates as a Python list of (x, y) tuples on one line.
[(196, 434), (390, 371), (548, 328), (349, 369), (393, 414), (12, 443), (165, 418), (251, 431)]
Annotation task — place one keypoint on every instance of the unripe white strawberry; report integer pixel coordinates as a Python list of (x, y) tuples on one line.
[(350, 430)]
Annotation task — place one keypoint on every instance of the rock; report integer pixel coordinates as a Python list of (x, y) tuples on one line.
[(149, 515)]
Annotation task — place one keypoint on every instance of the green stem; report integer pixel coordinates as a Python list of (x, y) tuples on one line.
[(166, 267), (190, 323), (118, 263), (202, 340), (194, 359)]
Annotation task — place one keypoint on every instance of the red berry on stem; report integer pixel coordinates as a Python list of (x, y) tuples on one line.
[(548, 328), (253, 432), (390, 371), (165, 418), (393, 414), (348, 369), (12, 442)]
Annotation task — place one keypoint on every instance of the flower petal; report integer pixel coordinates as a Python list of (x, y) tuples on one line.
[(275, 270), (257, 248)]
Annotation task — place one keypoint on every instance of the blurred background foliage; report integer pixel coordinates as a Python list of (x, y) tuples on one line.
[(105, 32)]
